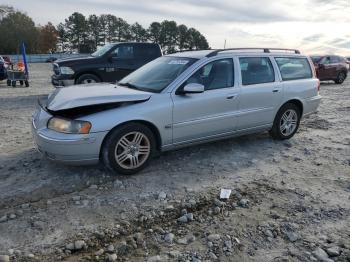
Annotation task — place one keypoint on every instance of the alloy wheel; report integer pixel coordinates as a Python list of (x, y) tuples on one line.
[(132, 150), (288, 122)]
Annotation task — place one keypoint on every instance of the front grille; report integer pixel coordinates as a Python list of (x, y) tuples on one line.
[(56, 69)]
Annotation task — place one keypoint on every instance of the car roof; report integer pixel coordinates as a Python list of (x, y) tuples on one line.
[(133, 43), (244, 51)]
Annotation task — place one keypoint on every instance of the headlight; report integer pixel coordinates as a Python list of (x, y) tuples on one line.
[(69, 126), (65, 70)]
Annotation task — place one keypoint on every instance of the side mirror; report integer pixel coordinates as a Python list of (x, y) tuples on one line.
[(321, 66), (193, 88)]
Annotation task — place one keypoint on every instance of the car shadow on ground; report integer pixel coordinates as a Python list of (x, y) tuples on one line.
[(181, 167)]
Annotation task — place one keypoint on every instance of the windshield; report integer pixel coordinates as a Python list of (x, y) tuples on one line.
[(102, 50), (316, 59), (158, 74)]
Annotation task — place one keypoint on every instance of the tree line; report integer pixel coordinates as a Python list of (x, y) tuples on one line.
[(16, 27), (86, 34)]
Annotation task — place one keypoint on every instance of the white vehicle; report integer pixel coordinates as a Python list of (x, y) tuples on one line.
[(175, 101)]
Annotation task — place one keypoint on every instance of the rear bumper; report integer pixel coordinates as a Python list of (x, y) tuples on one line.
[(69, 149), (311, 104)]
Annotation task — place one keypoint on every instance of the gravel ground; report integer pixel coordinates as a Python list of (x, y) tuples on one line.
[(290, 199)]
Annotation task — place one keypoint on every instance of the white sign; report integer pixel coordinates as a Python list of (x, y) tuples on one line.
[(225, 193), (178, 62)]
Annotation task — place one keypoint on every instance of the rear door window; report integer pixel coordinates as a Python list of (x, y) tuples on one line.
[(147, 51), (256, 70), (124, 52), (293, 68), (334, 60)]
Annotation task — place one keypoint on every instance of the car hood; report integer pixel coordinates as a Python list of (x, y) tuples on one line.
[(92, 94), (74, 60)]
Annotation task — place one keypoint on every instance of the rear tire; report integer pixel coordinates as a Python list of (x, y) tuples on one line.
[(128, 148), (340, 78), (87, 79), (286, 122), (8, 82)]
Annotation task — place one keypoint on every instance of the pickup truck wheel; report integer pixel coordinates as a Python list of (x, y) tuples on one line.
[(87, 79), (128, 149), (340, 78), (286, 122)]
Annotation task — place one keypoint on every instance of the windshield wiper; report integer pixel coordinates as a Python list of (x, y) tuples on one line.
[(129, 85)]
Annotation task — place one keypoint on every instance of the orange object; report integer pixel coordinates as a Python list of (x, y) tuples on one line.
[(85, 128), (20, 66)]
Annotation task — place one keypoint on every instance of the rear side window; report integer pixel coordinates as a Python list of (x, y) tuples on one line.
[(341, 59), (124, 52), (293, 68), (147, 51), (334, 59), (256, 70)]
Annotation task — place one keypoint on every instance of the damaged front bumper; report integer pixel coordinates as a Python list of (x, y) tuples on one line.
[(73, 149)]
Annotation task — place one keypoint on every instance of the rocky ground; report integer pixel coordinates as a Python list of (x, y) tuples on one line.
[(290, 200)]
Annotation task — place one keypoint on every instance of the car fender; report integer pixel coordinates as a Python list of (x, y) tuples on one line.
[(156, 111)]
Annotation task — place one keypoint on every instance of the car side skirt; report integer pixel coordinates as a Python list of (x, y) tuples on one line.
[(217, 137)]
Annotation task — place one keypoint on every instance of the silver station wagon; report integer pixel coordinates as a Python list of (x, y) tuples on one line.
[(174, 101)]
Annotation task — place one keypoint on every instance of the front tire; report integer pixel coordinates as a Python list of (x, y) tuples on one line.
[(88, 79), (286, 122), (340, 78), (128, 149)]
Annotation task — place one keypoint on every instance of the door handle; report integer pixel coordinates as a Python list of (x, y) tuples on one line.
[(275, 90), (231, 96)]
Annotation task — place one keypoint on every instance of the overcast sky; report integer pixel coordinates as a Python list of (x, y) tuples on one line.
[(313, 26)]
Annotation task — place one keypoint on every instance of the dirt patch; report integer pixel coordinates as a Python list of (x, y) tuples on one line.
[(317, 123)]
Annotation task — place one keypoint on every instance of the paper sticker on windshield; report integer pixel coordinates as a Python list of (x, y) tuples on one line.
[(178, 62)]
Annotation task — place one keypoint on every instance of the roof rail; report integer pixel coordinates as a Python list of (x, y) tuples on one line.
[(190, 50), (265, 50)]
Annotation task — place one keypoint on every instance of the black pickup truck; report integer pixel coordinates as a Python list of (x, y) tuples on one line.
[(110, 63)]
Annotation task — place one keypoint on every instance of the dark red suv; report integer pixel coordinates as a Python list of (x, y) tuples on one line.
[(331, 67)]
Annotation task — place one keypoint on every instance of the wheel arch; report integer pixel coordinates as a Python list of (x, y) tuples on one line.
[(79, 74), (296, 102), (146, 123)]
